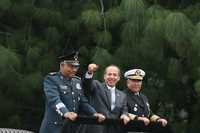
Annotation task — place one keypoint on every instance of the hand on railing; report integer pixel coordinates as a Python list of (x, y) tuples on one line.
[(125, 119), (71, 116), (144, 119), (99, 117), (162, 121)]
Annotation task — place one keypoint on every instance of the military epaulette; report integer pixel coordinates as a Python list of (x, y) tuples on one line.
[(53, 73), (79, 78)]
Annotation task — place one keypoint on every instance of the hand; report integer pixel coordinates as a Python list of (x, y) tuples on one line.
[(125, 119), (162, 121), (145, 120), (71, 116), (100, 117), (92, 68)]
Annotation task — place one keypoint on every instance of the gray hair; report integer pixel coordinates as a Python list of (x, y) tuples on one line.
[(112, 65)]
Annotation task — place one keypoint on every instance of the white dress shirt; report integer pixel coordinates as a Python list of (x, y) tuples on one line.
[(113, 97)]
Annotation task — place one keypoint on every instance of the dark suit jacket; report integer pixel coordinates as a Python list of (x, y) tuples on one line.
[(100, 98)]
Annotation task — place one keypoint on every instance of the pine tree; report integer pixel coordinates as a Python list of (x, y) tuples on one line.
[(159, 36)]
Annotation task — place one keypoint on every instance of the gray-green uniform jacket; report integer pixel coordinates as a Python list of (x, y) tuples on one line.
[(62, 95)]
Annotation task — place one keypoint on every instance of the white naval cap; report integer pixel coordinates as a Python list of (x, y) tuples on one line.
[(135, 74)]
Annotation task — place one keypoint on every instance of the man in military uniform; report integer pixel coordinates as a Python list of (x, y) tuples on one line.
[(64, 98), (138, 104)]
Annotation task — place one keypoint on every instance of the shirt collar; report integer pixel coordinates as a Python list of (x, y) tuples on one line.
[(137, 93), (111, 88)]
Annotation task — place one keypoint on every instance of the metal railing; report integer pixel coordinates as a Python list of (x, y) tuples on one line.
[(133, 125), (7, 130)]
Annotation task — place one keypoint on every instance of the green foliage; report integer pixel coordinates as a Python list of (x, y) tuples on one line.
[(178, 32), (174, 69), (145, 34), (46, 16), (31, 83), (180, 127), (127, 57), (196, 39), (33, 55), (153, 42), (154, 31), (91, 19), (24, 10), (9, 60), (15, 121), (72, 26), (5, 4), (103, 58), (113, 17), (47, 63), (156, 11), (193, 13), (131, 33), (84, 51), (173, 4), (197, 87), (134, 12), (52, 36), (178, 28), (133, 9), (104, 39), (46, 3)]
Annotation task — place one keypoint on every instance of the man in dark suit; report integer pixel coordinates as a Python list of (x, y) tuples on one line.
[(138, 104), (64, 97), (106, 99)]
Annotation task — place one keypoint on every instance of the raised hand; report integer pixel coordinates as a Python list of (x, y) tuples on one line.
[(92, 68)]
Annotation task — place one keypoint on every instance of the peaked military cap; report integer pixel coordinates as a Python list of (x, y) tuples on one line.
[(135, 74), (70, 57)]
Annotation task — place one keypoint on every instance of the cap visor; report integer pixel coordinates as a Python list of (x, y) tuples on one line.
[(135, 77)]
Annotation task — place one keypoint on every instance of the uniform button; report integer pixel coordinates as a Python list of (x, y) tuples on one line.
[(55, 123), (74, 109), (64, 92), (72, 93), (135, 109), (74, 101)]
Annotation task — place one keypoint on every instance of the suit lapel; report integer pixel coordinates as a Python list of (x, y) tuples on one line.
[(117, 98), (108, 96)]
